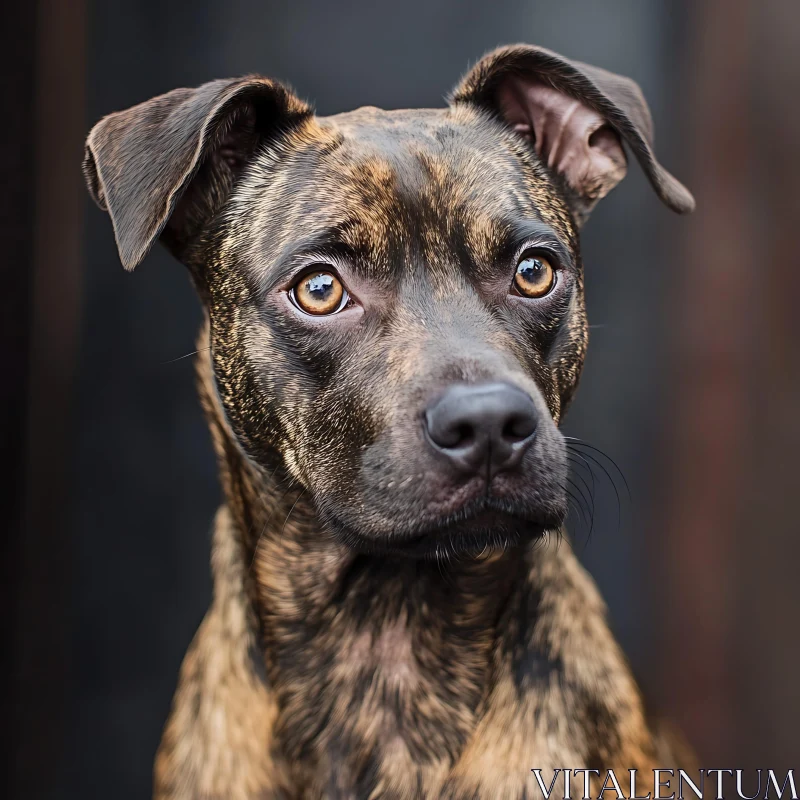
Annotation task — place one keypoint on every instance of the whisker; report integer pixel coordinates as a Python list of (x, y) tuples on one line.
[(577, 474), (577, 504), (297, 500), (613, 486), (571, 440), (585, 464), (586, 501), (269, 519), (572, 455), (188, 355), (590, 492), (574, 443)]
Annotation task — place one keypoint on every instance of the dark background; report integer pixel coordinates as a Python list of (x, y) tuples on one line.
[(691, 384)]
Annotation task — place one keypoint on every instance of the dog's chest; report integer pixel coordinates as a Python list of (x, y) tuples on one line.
[(377, 714), (414, 704), (384, 728), (402, 684)]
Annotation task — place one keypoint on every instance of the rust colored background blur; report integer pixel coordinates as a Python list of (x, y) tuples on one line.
[(692, 382)]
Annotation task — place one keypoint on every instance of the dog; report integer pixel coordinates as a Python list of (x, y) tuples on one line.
[(394, 328)]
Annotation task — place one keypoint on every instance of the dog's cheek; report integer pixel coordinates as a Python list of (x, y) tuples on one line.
[(262, 392), (550, 344), (343, 414), (531, 346), (568, 352), (337, 430)]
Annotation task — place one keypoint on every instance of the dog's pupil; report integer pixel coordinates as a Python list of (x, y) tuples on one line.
[(320, 286), (531, 270)]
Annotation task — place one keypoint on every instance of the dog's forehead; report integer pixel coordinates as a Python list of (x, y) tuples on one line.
[(389, 129), (428, 180)]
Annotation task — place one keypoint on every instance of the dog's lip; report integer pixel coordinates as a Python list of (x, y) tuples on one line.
[(484, 531), (484, 524), (468, 538)]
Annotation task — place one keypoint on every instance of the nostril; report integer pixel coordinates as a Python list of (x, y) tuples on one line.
[(463, 436), (518, 428), (447, 433), (453, 436)]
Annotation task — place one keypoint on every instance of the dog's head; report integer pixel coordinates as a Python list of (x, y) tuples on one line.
[(395, 298)]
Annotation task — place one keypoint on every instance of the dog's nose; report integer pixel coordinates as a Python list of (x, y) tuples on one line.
[(484, 428)]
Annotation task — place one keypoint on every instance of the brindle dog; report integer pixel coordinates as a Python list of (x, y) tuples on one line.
[(394, 327)]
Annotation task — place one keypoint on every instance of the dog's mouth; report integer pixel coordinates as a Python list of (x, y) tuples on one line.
[(482, 526)]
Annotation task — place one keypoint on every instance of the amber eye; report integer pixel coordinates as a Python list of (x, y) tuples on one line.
[(535, 276), (319, 293)]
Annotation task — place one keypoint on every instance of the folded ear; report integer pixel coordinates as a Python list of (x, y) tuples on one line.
[(576, 116), (165, 166)]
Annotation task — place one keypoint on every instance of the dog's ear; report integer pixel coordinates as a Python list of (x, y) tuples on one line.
[(163, 167), (576, 117)]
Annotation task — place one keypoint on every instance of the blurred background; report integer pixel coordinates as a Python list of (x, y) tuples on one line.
[(691, 385)]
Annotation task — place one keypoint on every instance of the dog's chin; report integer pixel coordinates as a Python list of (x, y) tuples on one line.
[(476, 530)]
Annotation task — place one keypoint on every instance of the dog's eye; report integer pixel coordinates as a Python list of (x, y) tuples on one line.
[(535, 276), (319, 293)]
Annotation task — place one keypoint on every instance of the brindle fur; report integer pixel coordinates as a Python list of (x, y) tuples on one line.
[(329, 665)]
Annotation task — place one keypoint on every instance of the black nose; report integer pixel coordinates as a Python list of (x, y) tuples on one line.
[(482, 429)]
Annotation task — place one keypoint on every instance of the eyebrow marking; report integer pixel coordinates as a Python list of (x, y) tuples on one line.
[(323, 245), (531, 233)]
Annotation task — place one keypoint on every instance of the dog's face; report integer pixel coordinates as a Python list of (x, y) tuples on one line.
[(395, 298), (380, 259)]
